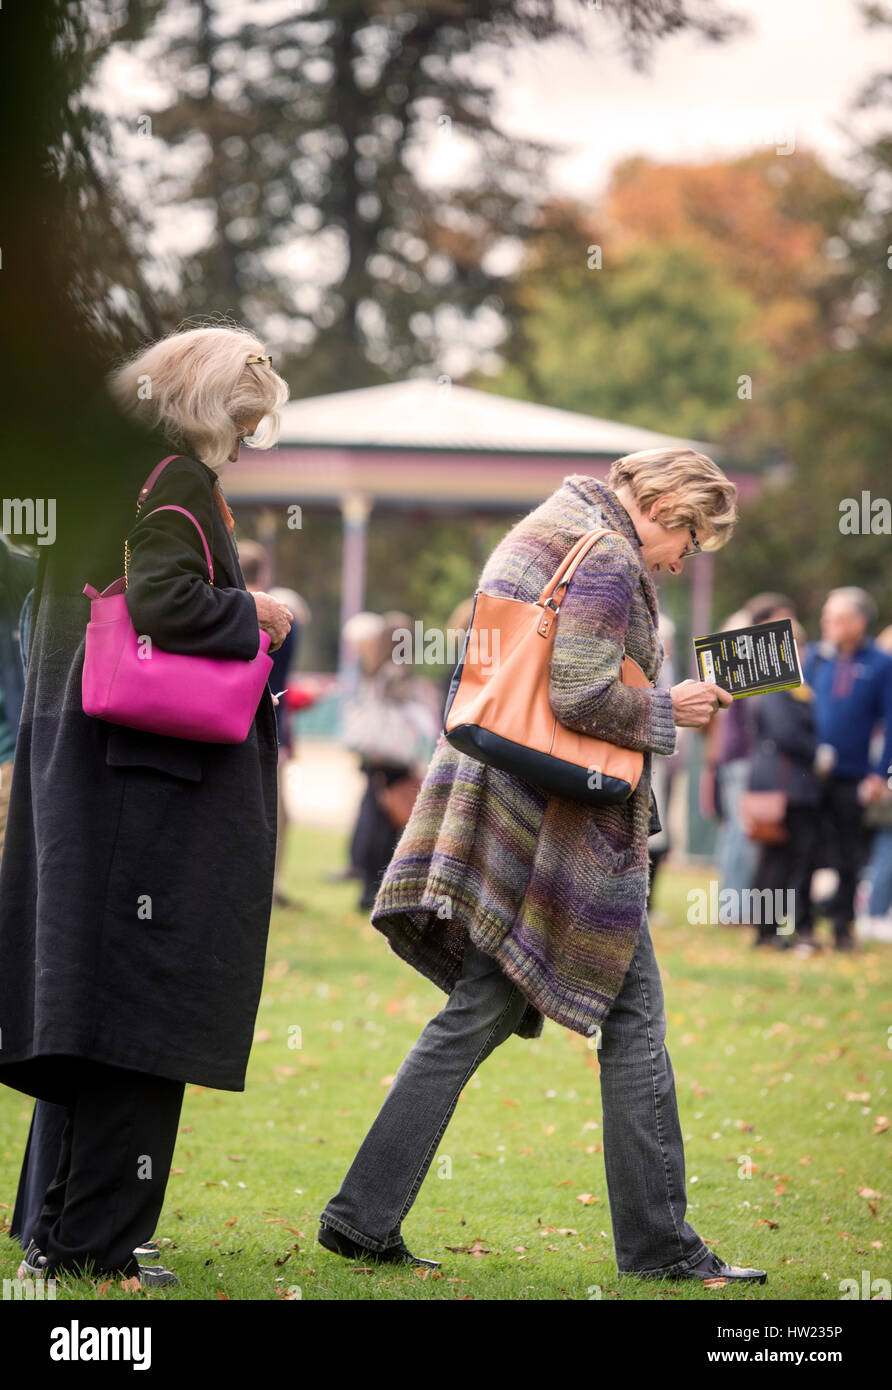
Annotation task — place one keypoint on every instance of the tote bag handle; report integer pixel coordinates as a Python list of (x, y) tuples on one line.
[(567, 568)]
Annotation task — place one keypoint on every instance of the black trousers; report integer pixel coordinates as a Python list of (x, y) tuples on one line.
[(374, 839), (788, 867), (845, 845), (38, 1167), (114, 1163), (831, 834)]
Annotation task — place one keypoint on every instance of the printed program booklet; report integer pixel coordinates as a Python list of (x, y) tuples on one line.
[(750, 660)]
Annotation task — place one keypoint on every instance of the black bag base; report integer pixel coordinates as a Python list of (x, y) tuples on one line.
[(541, 770)]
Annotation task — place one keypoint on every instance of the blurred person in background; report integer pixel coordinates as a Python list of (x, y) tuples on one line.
[(783, 762), (728, 740), (362, 636), (18, 573), (875, 924), (258, 572), (852, 681), (664, 769), (392, 723), (729, 746)]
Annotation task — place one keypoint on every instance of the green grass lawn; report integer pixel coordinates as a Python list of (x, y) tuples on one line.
[(780, 1064)]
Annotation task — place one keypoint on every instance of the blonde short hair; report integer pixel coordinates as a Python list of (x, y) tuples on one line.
[(706, 501), (198, 389)]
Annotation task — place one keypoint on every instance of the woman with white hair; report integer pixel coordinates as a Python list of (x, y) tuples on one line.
[(137, 874)]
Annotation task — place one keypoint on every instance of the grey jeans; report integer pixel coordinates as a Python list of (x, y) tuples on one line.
[(643, 1148)]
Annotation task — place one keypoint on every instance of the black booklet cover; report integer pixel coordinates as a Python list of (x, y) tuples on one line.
[(750, 660)]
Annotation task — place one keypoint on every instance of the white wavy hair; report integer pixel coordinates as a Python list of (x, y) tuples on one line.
[(200, 391)]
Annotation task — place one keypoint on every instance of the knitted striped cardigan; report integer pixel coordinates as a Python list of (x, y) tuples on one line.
[(553, 889)]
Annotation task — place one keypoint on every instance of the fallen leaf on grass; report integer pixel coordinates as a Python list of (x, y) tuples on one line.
[(476, 1249), (224, 1297), (231, 1222), (131, 1285), (236, 1158), (587, 1198)]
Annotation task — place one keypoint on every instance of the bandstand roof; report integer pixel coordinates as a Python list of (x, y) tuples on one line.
[(420, 442)]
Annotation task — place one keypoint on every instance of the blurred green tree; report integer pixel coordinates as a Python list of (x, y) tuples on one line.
[(832, 418), (658, 341)]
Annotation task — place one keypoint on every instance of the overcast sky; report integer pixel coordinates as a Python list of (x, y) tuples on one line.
[(788, 83), (795, 74)]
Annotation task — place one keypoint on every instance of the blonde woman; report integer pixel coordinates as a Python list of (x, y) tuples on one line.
[(137, 874), (546, 896)]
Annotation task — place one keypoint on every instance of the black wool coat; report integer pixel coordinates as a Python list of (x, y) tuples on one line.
[(137, 876)]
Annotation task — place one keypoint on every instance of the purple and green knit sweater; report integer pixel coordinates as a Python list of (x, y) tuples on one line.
[(553, 889)]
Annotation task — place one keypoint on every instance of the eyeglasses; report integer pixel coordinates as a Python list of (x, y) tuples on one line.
[(685, 554)]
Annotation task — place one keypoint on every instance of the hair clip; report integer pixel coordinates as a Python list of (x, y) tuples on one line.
[(267, 359)]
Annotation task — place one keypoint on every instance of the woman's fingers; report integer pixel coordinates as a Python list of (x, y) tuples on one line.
[(695, 702)]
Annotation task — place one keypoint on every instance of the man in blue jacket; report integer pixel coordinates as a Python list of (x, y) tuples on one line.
[(852, 681)]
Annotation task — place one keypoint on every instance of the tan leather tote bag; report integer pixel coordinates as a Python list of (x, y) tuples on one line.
[(498, 711)]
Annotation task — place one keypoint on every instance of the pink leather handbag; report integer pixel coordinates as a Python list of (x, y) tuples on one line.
[(130, 680)]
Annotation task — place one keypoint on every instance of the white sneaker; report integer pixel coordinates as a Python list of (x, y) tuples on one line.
[(873, 928), (824, 883)]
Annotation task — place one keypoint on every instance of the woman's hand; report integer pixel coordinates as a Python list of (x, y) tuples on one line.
[(273, 617), (695, 702)]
